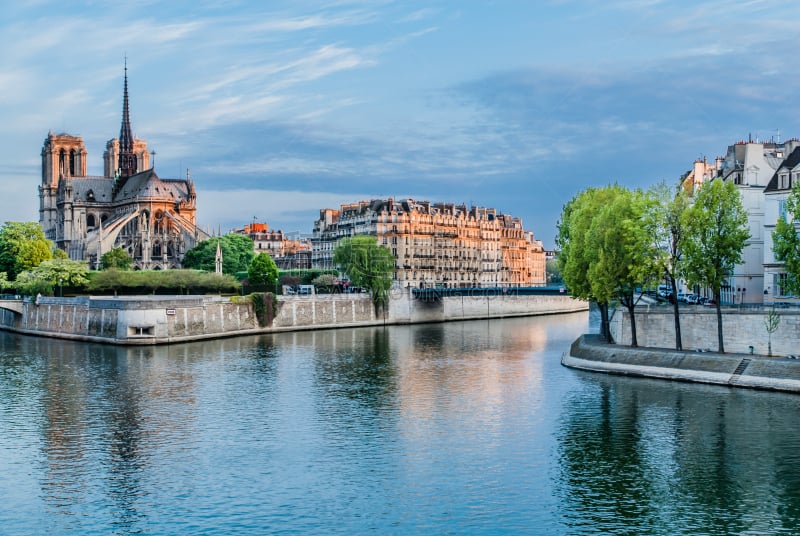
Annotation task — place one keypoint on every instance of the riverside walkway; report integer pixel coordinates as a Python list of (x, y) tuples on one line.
[(590, 352)]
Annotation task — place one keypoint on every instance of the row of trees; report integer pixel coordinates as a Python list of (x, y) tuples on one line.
[(614, 241)]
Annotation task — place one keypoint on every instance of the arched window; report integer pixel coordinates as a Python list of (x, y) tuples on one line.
[(158, 226), (72, 170), (62, 162), (157, 249), (90, 221)]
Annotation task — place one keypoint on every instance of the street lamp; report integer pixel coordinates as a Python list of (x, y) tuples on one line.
[(60, 287)]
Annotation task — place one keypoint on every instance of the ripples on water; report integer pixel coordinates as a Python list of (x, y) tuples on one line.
[(457, 428)]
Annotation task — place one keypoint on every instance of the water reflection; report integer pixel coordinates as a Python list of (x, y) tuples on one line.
[(651, 457), (470, 427)]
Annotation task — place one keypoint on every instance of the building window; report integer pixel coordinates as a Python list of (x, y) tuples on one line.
[(782, 209)]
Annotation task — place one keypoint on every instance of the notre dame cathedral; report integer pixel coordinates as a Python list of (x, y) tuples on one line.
[(130, 207)]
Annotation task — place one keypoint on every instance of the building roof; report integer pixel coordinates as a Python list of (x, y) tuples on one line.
[(148, 184), (792, 161)]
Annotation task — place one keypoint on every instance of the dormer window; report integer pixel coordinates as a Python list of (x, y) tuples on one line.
[(90, 195), (783, 181)]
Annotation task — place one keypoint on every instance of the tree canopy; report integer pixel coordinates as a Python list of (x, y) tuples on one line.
[(51, 274), (786, 241), (716, 231), (367, 264), (237, 252), (262, 272), (603, 248), (22, 246), (664, 221), (117, 258)]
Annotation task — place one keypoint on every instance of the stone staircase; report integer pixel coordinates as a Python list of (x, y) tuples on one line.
[(740, 368)]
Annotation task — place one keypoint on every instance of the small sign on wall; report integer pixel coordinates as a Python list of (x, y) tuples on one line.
[(170, 312)]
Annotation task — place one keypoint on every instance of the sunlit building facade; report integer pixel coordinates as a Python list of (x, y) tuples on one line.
[(437, 244)]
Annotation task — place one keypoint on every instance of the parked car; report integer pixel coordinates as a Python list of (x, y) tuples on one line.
[(692, 299)]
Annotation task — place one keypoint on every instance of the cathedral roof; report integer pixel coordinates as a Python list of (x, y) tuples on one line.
[(98, 187), (148, 185)]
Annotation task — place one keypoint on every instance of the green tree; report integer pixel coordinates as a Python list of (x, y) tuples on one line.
[(51, 274), (771, 323), (622, 261), (367, 264), (22, 246), (664, 222), (31, 283), (60, 254), (786, 241), (574, 256), (716, 231), (237, 252), (117, 258), (262, 272), (578, 252)]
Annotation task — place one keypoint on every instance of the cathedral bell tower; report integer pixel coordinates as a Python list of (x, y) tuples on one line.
[(63, 157)]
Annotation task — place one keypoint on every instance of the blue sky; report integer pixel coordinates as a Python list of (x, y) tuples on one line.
[(281, 108)]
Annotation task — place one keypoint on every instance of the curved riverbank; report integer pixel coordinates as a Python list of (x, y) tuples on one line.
[(590, 353)]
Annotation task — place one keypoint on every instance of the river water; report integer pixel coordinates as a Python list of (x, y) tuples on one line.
[(457, 428)]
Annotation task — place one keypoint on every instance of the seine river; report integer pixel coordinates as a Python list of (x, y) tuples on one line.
[(458, 428)]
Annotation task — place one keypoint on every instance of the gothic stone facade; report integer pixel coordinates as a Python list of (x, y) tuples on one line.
[(130, 206)]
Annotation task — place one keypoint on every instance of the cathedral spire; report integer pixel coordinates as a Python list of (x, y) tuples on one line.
[(127, 160)]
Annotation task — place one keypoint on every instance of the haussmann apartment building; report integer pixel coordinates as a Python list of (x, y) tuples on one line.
[(437, 244)]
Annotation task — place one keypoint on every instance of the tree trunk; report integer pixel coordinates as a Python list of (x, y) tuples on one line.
[(605, 331), (634, 341), (676, 314), (717, 295)]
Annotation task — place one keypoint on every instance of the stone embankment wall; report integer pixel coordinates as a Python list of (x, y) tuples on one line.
[(733, 369), (139, 320), (165, 319), (741, 328)]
